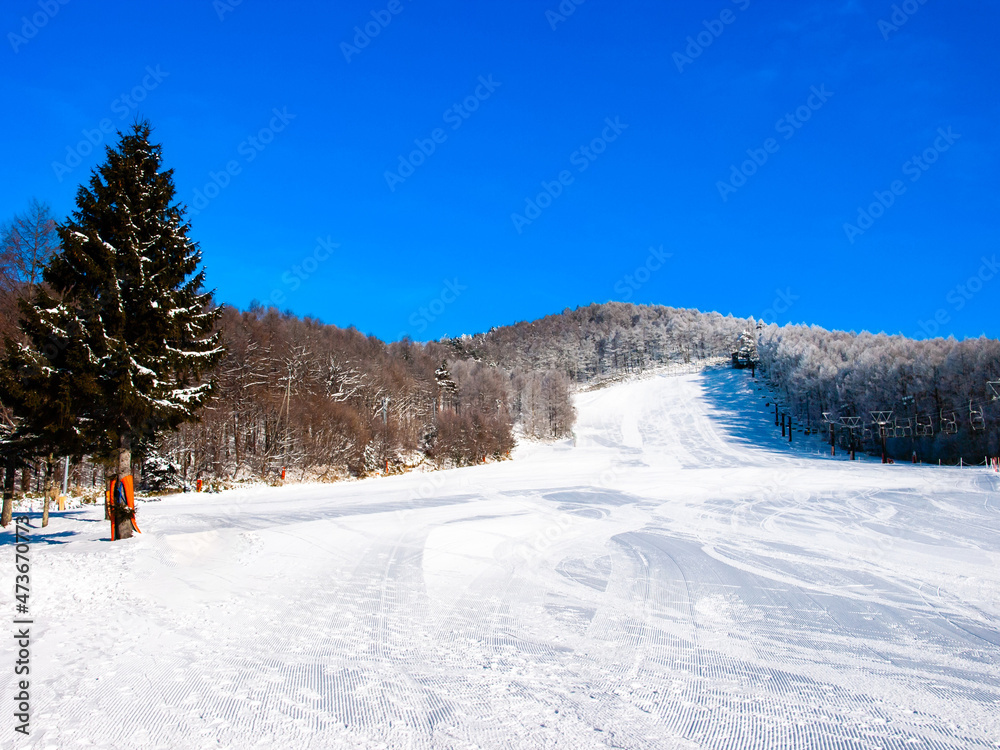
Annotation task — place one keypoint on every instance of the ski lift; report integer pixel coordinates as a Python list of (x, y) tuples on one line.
[(949, 423), (977, 418), (867, 434), (994, 386), (882, 418), (925, 426), (903, 428)]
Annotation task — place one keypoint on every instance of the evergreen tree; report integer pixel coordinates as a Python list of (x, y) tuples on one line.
[(40, 404), (121, 332)]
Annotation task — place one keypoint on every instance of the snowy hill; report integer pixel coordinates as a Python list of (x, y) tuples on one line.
[(678, 577)]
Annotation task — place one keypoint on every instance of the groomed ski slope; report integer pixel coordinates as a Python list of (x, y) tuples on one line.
[(680, 577)]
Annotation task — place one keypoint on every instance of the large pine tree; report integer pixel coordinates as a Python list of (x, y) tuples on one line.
[(121, 333)]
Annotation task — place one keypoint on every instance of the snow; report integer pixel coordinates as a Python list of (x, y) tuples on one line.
[(194, 355), (680, 577), (142, 369)]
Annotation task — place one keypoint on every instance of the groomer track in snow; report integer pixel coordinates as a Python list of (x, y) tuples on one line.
[(680, 577)]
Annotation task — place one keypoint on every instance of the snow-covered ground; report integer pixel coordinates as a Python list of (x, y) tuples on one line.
[(680, 577)]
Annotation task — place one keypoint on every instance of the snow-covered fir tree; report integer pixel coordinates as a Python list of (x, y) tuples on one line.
[(121, 333)]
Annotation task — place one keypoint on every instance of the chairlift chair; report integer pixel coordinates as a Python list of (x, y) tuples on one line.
[(925, 426), (977, 419), (949, 423)]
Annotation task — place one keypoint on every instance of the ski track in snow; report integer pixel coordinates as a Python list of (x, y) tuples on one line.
[(678, 577)]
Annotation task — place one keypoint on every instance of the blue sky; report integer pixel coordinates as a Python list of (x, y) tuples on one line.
[(471, 165)]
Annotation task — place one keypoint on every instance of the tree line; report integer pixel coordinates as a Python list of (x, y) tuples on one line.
[(295, 394), (604, 341), (938, 390)]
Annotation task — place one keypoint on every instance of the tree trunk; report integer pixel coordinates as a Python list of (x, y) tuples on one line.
[(8, 494), (122, 520), (124, 456), (236, 440), (48, 489)]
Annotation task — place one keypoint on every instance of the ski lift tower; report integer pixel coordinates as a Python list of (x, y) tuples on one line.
[(833, 432), (883, 419), (906, 428), (852, 424)]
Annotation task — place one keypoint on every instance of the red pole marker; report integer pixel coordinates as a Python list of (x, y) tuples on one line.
[(199, 485)]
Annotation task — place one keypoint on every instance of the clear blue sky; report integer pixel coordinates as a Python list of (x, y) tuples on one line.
[(438, 251)]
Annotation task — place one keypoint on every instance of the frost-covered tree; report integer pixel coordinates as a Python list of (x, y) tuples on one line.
[(122, 330), (936, 389), (544, 404), (27, 243)]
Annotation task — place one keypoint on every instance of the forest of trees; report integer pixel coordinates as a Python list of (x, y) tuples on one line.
[(328, 402), (597, 342), (938, 390), (314, 399)]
